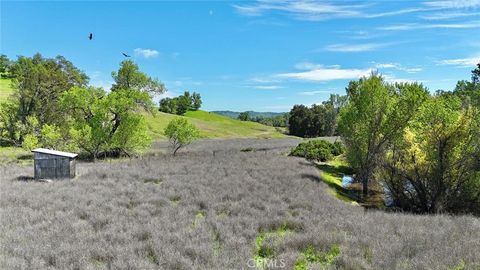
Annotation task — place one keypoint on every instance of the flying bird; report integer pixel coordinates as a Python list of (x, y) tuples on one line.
[(126, 55), (90, 36)]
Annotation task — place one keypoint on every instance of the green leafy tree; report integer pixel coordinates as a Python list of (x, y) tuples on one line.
[(180, 132), (107, 123), (244, 116), (332, 109), (129, 76), (38, 83), (30, 142), (90, 120), (469, 92), (317, 119), (51, 137), (168, 105), (476, 75), (196, 101), (184, 103), (5, 65), (299, 121), (376, 114), (181, 104), (434, 167)]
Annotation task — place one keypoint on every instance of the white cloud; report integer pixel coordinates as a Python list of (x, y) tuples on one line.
[(461, 62), (168, 94), (267, 87), (320, 73), (454, 4), (309, 10), (354, 47), (448, 15), (301, 9), (105, 84), (265, 80), (393, 79), (146, 53), (397, 67), (395, 12), (414, 26), (312, 93)]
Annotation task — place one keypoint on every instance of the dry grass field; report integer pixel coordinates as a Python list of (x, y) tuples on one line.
[(214, 206)]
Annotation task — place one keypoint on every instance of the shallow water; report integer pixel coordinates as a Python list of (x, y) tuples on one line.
[(347, 180)]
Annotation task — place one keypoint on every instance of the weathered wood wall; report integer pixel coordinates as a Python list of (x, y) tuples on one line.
[(52, 166)]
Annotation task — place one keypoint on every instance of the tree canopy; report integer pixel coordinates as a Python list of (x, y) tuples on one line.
[(181, 104), (376, 114)]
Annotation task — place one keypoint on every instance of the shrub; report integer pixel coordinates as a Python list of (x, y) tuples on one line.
[(318, 150), (180, 132), (338, 148), (30, 142)]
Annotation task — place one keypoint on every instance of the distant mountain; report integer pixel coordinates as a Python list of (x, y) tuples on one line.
[(232, 114)]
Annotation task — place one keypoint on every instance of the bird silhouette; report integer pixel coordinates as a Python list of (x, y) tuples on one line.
[(126, 55), (90, 36)]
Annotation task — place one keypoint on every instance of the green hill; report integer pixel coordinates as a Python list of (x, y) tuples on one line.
[(212, 125), (5, 89), (253, 114)]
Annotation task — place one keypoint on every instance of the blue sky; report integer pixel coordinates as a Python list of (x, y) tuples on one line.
[(253, 55)]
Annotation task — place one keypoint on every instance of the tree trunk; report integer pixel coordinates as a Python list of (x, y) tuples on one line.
[(365, 188)]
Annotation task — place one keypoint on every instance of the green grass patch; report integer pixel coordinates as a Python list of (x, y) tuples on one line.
[(5, 89), (217, 246), (332, 173), (264, 253), (199, 216), (175, 199), (153, 181), (9, 155), (460, 265), (311, 256), (212, 125)]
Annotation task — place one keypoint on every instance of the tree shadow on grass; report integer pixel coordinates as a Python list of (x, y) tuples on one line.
[(342, 192), (337, 171)]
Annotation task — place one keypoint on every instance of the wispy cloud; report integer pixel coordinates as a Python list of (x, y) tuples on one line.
[(321, 73), (267, 87), (448, 15), (168, 94), (414, 26), (146, 53), (355, 47), (301, 9), (266, 80), (395, 12), (453, 4), (397, 67), (313, 93), (461, 62), (322, 10), (393, 79)]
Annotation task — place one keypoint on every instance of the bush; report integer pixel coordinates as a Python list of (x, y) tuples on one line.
[(318, 150), (338, 148), (180, 132)]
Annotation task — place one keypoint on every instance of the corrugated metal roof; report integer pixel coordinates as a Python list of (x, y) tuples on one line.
[(54, 152)]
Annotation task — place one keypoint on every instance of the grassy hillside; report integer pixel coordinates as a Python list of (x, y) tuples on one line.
[(212, 125), (5, 89), (233, 114)]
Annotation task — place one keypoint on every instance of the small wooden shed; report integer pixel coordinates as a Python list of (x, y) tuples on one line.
[(51, 164)]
